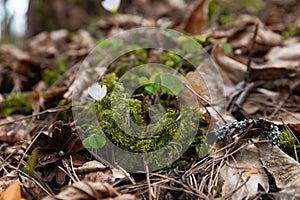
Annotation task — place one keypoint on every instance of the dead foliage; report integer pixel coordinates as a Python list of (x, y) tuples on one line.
[(256, 59)]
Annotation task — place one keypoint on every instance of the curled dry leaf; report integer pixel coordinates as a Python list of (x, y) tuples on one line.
[(95, 171), (267, 75), (231, 70), (291, 52), (89, 191), (197, 21), (240, 34), (60, 42)]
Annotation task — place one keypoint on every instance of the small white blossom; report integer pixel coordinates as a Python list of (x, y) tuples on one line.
[(97, 92), (111, 5)]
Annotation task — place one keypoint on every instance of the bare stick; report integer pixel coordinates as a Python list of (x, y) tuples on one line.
[(248, 73)]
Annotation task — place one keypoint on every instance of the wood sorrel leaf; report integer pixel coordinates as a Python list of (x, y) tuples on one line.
[(152, 87), (97, 140), (144, 80), (94, 141), (172, 83)]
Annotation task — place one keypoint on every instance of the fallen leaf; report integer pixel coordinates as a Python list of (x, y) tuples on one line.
[(291, 52), (13, 192), (240, 34), (95, 171), (284, 169), (233, 174), (251, 172), (89, 190), (197, 21), (231, 70), (14, 132)]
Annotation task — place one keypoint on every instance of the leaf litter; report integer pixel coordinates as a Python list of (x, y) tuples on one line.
[(259, 64)]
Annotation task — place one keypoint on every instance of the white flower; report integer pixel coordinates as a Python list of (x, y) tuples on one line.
[(111, 5), (97, 92)]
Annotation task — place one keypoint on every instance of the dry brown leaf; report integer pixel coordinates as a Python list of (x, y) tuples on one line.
[(267, 76), (292, 192), (14, 132), (6, 180), (231, 70), (89, 190), (13, 192), (196, 81), (291, 52), (126, 21), (240, 34), (233, 174), (261, 100), (284, 169), (294, 125), (60, 42), (197, 21), (251, 172), (46, 44), (95, 171), (17, 70), (54, 93)]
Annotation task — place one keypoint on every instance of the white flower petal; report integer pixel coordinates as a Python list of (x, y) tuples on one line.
[(102, 92), (111, 5), (96, 91)]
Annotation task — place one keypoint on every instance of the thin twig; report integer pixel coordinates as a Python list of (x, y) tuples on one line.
[(126, 174), (229, 195), (196, 192), (27, 149), (40, 184), (72, 167), (150, 192), (248, 74), (289, 130), (67, 173), (52, 110)]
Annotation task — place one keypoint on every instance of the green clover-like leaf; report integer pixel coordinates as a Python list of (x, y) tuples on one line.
[(152, 87), (94, 141), (171, 84)]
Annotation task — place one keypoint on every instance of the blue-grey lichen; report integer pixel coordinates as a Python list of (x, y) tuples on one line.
[(267, 129)]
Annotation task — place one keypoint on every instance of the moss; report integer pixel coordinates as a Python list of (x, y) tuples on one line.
[(292, 31), (225, 11), (51, 75), (288, 144), (286, 139), (17, 103), (124, 125)]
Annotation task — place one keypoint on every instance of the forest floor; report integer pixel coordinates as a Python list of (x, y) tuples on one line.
[(88, 115)]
